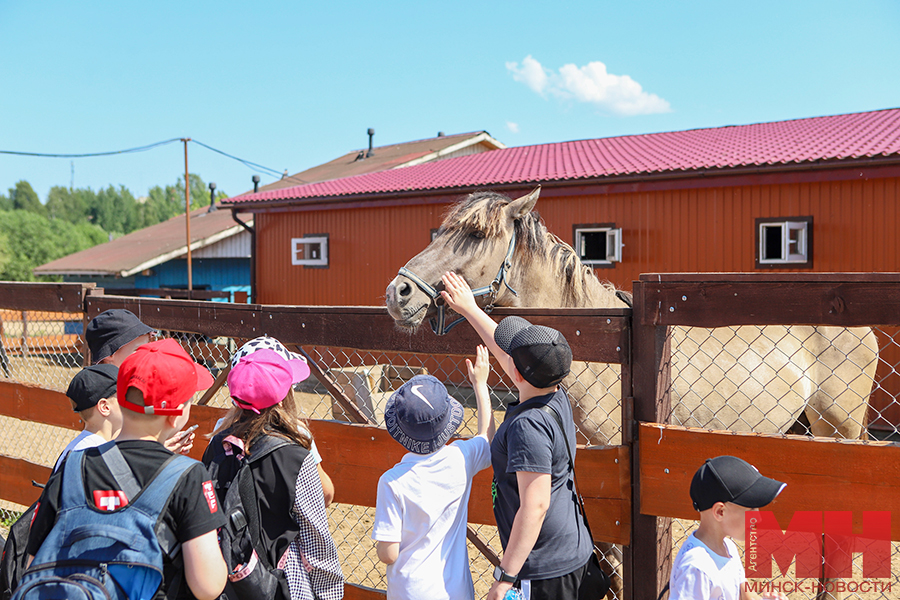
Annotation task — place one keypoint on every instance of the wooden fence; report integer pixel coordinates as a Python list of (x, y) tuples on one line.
[(632, 490)]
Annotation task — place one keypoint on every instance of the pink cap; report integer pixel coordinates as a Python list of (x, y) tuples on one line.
[(260, 380), (165, 374)]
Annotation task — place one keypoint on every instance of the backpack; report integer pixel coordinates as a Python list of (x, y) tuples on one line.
[(250, 573), (93, 555), (12, 564)]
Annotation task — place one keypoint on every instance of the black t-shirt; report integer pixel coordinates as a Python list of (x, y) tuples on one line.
[(530, 440), (275, 479), (188, 513)]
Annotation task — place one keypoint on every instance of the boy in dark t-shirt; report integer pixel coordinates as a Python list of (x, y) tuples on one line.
[(155, 386), (546, 544)]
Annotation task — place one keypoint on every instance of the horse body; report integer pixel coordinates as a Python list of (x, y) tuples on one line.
[(745, 378)]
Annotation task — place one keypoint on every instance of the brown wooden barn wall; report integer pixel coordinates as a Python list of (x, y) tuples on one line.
[(704, 229)]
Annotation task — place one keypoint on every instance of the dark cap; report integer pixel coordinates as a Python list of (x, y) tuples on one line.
[(541, 354), (730, 479), (112, 329), (421, 415), (91, 384)]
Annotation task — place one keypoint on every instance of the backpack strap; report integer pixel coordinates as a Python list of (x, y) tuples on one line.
[(552, 411), (72, 485), (154, 497), (120, 470), (261, 447)]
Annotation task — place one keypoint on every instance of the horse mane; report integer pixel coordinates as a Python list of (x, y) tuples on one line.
[(483, 211)]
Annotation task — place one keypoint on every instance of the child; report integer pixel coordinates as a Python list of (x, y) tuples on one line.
[(422, 502), (155, 384), (708, 564), (293, 524), (114, 334), (546, 544), (265, 342), (92, 393)]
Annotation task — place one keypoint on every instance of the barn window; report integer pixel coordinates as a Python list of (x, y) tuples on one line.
[(784, 242), (598, 245), (310, 251)]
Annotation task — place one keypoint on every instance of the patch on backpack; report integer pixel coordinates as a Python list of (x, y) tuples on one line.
[(109, 499), (210, 494)]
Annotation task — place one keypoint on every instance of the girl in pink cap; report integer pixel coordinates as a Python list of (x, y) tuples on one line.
[(293, 533)]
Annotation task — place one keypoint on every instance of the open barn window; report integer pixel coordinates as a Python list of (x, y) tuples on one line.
[(310, 250), (784, 242), (599, 244)]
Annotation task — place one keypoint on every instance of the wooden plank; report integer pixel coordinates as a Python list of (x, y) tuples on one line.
[(821, 473), (761, 277), (353, 591), (45, 344), (713, 304), (16, 475), (54, 297), (599, 335), (33, 403)]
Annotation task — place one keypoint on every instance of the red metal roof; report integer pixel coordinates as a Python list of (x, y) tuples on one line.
[(840, 137)]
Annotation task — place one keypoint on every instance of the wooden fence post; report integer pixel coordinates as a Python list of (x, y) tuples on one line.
[(647, 561)]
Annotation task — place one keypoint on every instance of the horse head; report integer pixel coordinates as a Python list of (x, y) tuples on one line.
[(477, 240), (504, 251)]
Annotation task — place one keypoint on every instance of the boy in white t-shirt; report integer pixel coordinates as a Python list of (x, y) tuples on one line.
[(421, 509), (708, 565), (92, 393)]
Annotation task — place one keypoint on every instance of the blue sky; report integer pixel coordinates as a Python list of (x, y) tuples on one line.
[(290, 85)]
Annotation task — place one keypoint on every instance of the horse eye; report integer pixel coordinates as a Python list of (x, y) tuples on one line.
[(478, 235)]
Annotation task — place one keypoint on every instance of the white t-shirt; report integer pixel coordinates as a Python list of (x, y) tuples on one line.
[(423, 504), (701, 574), (83, 440)]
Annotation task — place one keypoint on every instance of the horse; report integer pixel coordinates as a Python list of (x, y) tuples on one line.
[(744, 378)]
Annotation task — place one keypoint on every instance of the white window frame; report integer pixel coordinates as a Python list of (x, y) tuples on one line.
[(307, 241), (614, 244), (793, 251)]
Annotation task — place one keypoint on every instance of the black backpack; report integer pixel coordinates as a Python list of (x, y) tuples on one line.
[(250, 573), (12, 564)]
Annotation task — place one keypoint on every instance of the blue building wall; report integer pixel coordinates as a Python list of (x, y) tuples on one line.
[(206, 274)]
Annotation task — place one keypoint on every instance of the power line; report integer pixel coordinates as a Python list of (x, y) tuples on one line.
[(245, 162), (91, 154)]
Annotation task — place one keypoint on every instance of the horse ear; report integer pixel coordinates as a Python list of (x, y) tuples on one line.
[(520, 207)]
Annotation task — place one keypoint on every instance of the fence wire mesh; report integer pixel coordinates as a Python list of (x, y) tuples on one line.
[(815, 381)]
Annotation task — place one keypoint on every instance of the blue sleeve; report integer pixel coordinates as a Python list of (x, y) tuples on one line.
[(529, 445)]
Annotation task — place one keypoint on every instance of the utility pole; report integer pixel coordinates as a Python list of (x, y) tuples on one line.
[(187, 216)]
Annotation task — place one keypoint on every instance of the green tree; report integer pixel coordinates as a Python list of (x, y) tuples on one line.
[(115, 210), (70, 204), (24, 197), (28, 240), (5, 203)]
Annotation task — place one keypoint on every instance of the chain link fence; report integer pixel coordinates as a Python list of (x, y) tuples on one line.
[(44, 349), (825, 381)]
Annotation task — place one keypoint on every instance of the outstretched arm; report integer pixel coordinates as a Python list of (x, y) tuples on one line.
[(458, 296), (478, 375)]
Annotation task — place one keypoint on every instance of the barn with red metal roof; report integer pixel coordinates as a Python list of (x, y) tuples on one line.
[(817, 194)]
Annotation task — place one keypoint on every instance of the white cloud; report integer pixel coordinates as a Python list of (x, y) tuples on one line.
[(619, 94), (531, 74), (513, 127)]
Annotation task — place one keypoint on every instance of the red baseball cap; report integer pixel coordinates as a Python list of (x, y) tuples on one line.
[(165, 374)]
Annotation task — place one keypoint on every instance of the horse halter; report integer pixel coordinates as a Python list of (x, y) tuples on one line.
[(439, 326)]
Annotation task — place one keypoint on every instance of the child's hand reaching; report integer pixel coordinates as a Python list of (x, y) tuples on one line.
[(478, 373), (458, 295)]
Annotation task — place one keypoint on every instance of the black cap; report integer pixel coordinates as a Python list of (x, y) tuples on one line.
[(541, 354), (112, 329), (730, 479), (91, 384)]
